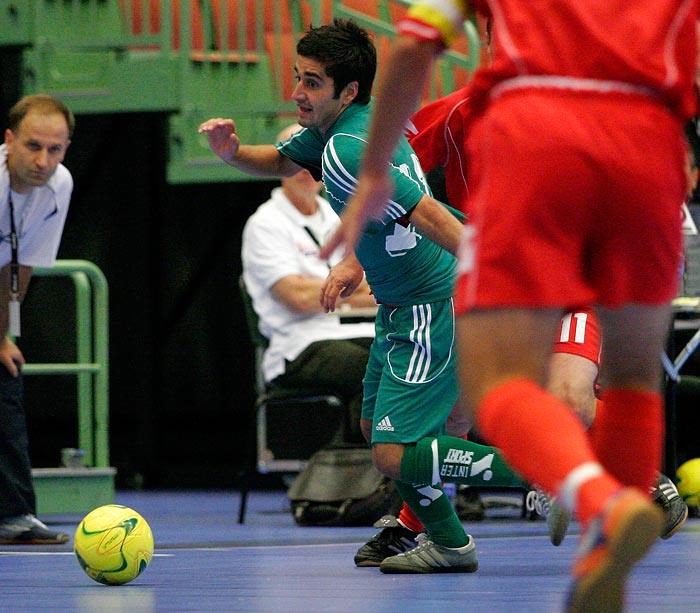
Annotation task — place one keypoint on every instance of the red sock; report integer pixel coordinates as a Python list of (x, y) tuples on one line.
[(544, 441), (628, 435), (408, 518)]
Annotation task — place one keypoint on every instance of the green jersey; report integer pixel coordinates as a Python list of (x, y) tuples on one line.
[(402, 267)]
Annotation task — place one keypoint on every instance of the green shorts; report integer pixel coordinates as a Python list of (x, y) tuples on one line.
[(410, 385)]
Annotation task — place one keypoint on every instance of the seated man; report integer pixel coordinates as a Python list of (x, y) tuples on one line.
[(283, 274)]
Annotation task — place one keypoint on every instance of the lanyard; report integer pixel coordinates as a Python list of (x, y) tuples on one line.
[(14, 272), (316, 242), (14, 243)]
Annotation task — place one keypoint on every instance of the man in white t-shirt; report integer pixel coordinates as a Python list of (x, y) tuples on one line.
[(283, 274), (35, 191)]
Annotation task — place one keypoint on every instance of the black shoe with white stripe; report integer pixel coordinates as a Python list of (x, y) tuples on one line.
[(665, 494), (393, 539)]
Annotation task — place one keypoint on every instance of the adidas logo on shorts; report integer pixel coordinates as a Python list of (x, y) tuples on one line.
[(385, 424)]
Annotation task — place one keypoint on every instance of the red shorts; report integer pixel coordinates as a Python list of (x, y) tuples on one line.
[(579, 334), (576, 200)]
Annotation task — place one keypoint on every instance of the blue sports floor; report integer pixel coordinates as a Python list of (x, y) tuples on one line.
[(205, 561)]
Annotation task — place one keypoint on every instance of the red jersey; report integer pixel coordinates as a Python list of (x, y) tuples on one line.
[(436, 133), (598, 45)]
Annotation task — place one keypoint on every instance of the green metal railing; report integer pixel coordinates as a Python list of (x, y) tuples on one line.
[(92, 356)]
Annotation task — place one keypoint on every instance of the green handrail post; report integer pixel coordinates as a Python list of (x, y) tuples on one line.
[(92, 356), (83, 351)]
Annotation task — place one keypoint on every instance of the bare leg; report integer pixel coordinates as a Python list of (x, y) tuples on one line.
[(504, 358), (572, 378), (502, 344), (634, 337)]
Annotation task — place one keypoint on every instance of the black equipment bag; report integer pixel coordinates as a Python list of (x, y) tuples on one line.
[(341, 487)]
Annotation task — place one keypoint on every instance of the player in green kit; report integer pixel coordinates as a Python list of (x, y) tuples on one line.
[(410, 386)]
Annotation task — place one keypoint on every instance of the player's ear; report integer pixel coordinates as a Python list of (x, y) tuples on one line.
[(350, 92)]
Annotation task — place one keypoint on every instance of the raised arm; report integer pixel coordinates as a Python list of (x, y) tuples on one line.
[(256, 160)]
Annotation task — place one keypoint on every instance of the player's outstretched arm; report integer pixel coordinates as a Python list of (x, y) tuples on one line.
[(410, 61), (257, 160)]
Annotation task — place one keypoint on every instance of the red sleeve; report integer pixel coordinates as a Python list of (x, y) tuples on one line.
[(437, 133), (426, 132)]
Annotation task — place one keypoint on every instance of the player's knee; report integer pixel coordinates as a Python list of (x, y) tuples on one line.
[(387, 459)]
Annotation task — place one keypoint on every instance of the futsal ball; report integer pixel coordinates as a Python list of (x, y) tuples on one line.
[(113, 544), (688, 475)]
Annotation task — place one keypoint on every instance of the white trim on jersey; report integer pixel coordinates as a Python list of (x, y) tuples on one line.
[(333, 168), (335, 173), (570, 83)]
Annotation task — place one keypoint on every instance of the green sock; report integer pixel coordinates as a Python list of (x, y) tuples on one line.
[(432, 506), (452, 459)]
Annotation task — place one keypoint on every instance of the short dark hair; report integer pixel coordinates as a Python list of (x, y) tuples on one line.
[(347, 53), (41, 103)]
